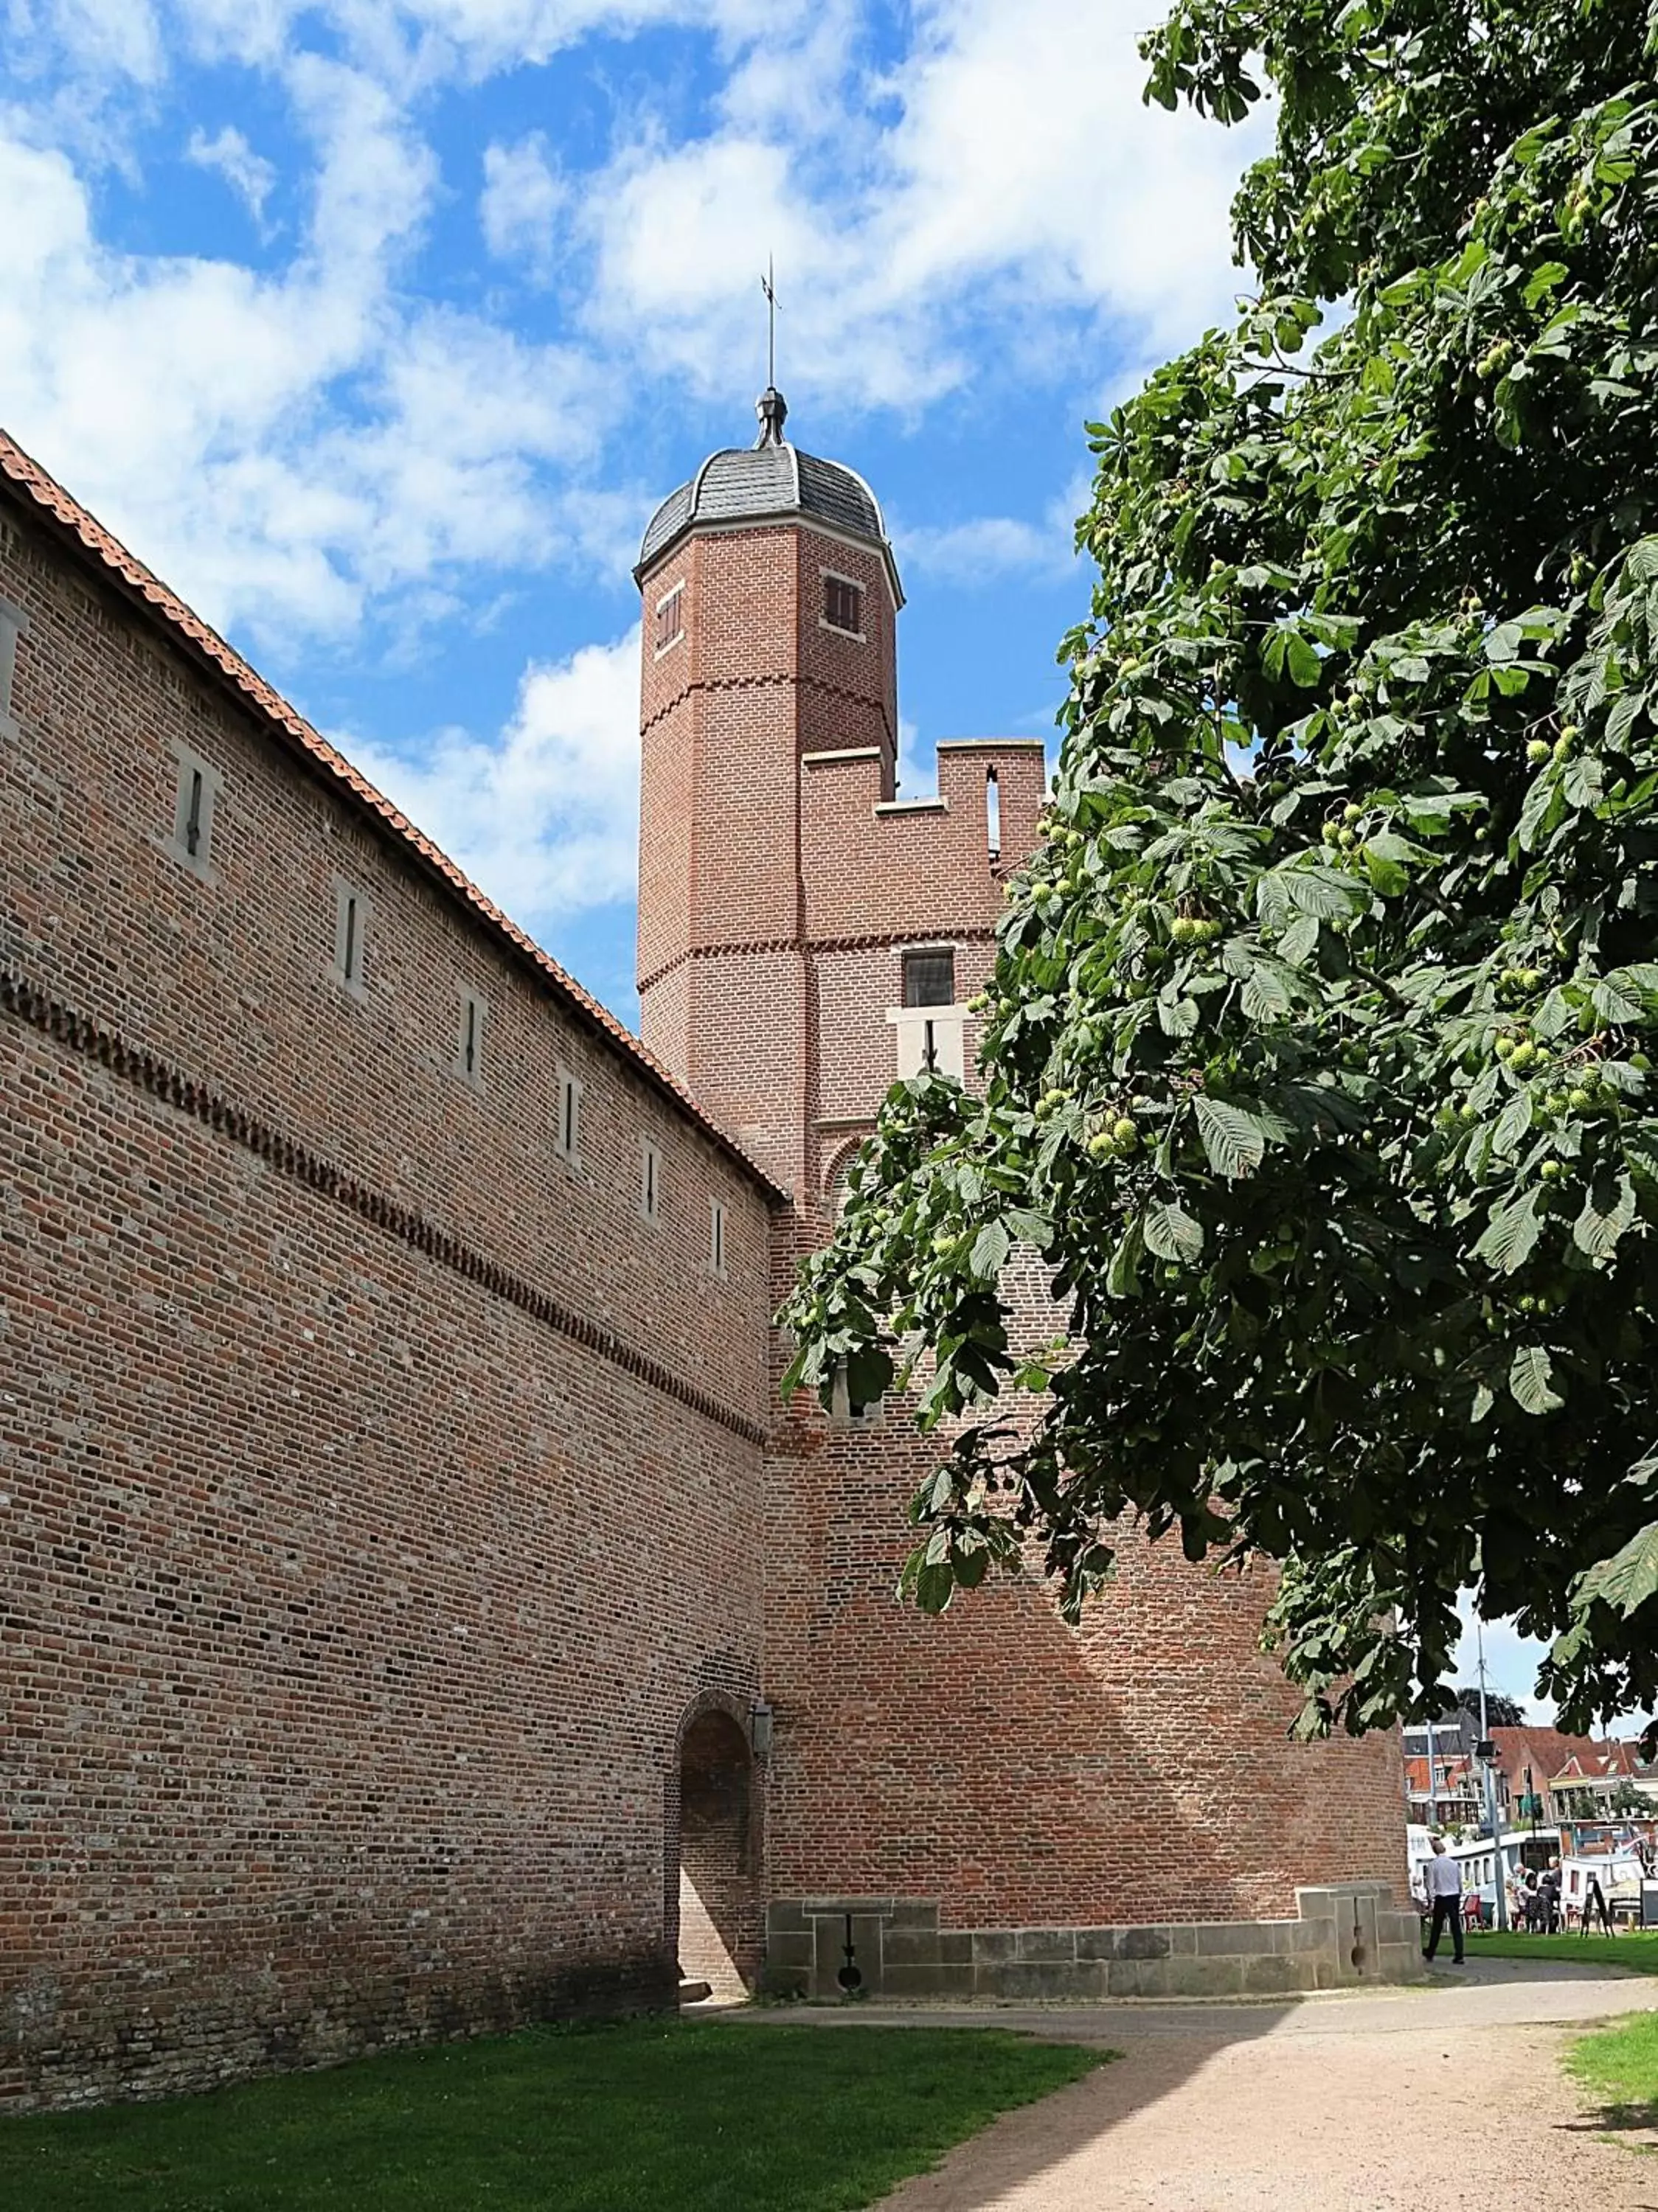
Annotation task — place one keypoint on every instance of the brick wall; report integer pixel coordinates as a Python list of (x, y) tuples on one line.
[(1007, 1770), (381, 1491)]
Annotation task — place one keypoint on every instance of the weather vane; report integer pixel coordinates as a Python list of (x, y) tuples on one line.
[(769, 287)]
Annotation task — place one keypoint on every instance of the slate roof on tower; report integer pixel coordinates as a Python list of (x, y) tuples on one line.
[(771, 481)]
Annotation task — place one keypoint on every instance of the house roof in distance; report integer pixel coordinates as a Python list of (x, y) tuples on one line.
[(223, 664)]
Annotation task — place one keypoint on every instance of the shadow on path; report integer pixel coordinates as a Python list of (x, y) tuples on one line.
[(1353, 2102)]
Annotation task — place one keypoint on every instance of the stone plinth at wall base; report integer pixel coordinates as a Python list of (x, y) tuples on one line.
[(60, 2048), (1343, 1937)]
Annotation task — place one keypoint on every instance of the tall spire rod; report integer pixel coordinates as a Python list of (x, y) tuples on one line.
[(769, 287), (771, 407)]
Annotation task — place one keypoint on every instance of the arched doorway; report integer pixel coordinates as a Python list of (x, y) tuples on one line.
[(719, 1898)]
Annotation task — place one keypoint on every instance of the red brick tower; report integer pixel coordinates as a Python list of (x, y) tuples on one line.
[(990, 1803)]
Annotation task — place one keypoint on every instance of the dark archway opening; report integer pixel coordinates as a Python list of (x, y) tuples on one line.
[(719, 1899)]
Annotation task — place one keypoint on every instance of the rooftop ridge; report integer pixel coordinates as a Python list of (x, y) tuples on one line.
[(20, 469)]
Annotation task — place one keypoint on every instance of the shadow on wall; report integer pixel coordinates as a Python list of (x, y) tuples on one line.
[(718, 1889)]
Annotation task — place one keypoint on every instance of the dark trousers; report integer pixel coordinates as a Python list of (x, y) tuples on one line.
[(1448, 1913)]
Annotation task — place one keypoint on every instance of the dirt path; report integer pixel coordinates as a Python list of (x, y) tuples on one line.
[(1448, 2099)]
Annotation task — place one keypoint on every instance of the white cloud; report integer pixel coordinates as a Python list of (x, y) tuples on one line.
[(988, 547), (285, 447), (523, 198), (248, 175), (1006, 170), (112, 38), (546, 814)]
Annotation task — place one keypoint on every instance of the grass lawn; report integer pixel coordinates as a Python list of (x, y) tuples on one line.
[(1636, 1953), (1618, 2067), (642, 2116)]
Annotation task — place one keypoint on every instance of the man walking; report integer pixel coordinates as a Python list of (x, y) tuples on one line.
[(1442, 1878)]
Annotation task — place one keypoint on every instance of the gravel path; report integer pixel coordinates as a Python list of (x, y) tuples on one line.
[(1446, 2099)]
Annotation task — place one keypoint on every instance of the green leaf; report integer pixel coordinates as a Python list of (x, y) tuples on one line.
[(1513, 1123), (1627, 1580), (1530, 1379), (990, 1249), (1608, 1211), (1304, 665), (1121, 1276), (1510, 1234), (869, 1375), (1233, 1139), (1300, 941), (1319, 893), (1171, 1234), (1264, 998), (1614, 1003)]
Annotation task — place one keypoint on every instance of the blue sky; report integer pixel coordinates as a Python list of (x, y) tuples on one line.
[(377, 327)]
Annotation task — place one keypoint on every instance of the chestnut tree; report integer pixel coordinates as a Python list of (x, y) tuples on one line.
[(1316, 1056)]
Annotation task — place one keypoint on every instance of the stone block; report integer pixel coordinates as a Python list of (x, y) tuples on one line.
[(1403, 1962), (910, 1912), (1046, 1943), (990, 1944), (1205, 1977), (1271, 1974), (1143, 1943), (783, 1981), (1234, 1939), (955, 1947), (1042, 1982), (908, 1946), (842, 1905), (1138, 1978), (1299, 1938), (784, 1948), (786, 1916), (927, 1981), (1182, 1940), (1097, 1942)]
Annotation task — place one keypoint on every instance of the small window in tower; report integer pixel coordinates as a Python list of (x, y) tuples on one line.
[(350, 924), (930, 979), (567, 1136), (842, 604), (650, 1180), (670, 618), (195, 799), (469, 1051), (14, 624), (716, 1236)]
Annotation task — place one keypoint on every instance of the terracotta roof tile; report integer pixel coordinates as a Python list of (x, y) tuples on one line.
[(50, 497)]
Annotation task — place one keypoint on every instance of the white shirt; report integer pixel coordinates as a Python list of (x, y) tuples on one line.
[(1442, 1875)]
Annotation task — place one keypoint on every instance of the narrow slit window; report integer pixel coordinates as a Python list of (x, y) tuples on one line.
[(670, 618), (568, 1135), (993, 814), (14, 624), (195, 802), (843, 604), (650, 1180), (350, 924), (930, 979), (469, 1059), (716, 1235)]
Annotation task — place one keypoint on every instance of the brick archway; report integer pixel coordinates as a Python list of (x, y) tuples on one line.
[(718, 1884)]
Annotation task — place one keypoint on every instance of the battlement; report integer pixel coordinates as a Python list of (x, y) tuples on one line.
[(878, 867)]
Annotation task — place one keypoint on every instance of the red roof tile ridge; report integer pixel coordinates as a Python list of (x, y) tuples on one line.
[(47, 493)]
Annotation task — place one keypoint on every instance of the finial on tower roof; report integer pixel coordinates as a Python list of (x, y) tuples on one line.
[(773, 411)]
